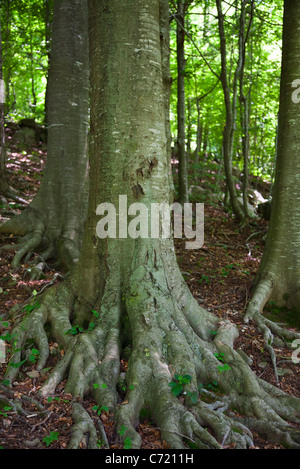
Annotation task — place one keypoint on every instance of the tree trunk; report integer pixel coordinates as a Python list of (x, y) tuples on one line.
[(3, 178), (183, 190), (278, 277), (245, 101), (199, 138), (5, 189), (53, 222), (127, 292), (48, 40)]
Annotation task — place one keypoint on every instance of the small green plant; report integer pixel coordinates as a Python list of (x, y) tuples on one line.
[(57, 399), (122, 430), (178, 384), (226, 270), (5, 382), (5, 409), (99, 409), (30, 307), (74, 330), (204, 279), (97, 386), (127, 441), (100, 443), (4, 324), (17, 364), (51, 438), (246, 272), (92, 326), (95, 313), (224, 367), (213, 386), (193, 396), (220, 356), (34, 353)]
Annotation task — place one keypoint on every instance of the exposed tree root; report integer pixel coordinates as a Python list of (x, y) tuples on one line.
[(37, 238), (84, 431), (269, 329), (7, 398), (168, 336), (10, 193)]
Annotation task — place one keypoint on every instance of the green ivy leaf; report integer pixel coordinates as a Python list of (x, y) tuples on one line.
[(52, 437), (95, 313), (122, 430), (127, 443), (177, 389)]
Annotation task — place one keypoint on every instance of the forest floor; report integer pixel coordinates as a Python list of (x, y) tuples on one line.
[(219, 275)]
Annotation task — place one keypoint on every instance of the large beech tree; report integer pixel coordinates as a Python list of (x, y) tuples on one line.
[(278, 277), (128, 294), (52, 224)]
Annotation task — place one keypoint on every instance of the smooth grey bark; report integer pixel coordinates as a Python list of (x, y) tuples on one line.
[(167, 83), (230, 100), (183, 192), (278, 276), (128, 293), (53, 223)]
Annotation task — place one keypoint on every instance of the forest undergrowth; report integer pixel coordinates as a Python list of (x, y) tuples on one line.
[(219, 275)]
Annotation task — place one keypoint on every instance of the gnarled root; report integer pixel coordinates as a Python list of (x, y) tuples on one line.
[(10, 193), (84, 431), (36, 237), (167, 342), (268, 328), (8, 398)]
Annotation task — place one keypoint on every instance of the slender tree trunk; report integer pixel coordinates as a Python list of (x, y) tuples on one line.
[(278, 277), (6, 35), (3, 178), (199, 138), (189, 129), (183, 194), (5, 189), (245, 101), (167, 83), (127, 291), (53, 222), (32, 77), (48, 37)]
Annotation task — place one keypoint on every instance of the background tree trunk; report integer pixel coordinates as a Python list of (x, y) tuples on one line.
[(48, 39), (183, 194), (230, 99), (53, 222), (5, 189), (3, 178)]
